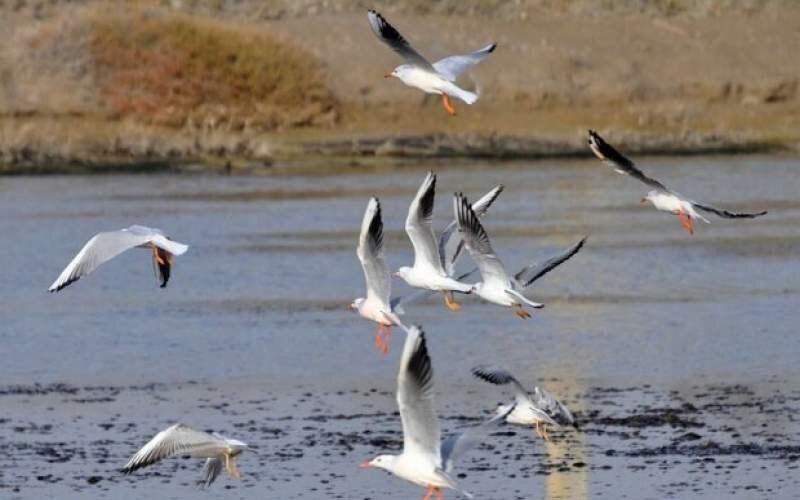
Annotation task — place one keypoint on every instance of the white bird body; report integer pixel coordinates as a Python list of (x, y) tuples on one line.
[(526, 414), (431, 82), (673, 203)]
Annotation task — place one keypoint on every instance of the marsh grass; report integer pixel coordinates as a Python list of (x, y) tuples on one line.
[(180, 71)]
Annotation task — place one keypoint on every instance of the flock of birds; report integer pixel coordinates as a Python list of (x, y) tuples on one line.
[(426, 459)]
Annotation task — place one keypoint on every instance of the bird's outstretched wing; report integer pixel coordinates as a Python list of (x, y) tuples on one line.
[(456, 445), (477, 242), (531, 273), (726, 214), (621, 164), (370, 253), (452, 67), (421, 432), (394, 40), (451, 243)]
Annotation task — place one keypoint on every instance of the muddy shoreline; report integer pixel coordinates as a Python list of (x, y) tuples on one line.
[(87, 432)]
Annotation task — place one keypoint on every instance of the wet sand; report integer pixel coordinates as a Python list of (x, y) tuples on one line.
[(677, 353)]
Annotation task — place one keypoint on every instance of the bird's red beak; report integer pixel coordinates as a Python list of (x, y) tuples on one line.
[(387, 75), (365, 465), (350, 307), (643, 201)]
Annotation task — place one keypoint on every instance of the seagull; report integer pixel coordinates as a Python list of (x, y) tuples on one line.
[(496, 286), (540, 409), (377, 306), (428, 272), (437, 78), (661, 197), (180, 439), (426, 460), (105, 246), (451, 246)]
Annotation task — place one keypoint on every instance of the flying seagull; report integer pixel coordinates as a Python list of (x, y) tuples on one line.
[(428, 271), (451, 247), (426, 460), (377, 305), (496, 286), (180, 439), (538, 409), (660, 196), (437, 78), (105, 246)]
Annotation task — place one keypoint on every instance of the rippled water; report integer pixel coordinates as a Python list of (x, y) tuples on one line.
[(257, 305)]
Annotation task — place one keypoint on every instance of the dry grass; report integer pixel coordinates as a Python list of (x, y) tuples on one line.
[(176, 70)]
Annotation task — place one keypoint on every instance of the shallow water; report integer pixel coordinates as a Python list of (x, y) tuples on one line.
[(645, 318)]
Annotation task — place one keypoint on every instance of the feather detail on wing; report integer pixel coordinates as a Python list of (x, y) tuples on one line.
[(477, 242), (451, 243), (419, 228), (370, 253), (421, 433), (394, 40), (621, 164), (457, 445)]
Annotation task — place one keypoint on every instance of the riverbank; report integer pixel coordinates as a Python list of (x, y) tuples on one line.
[(77, 96)]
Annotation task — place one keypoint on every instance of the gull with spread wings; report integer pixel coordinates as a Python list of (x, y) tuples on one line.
[(426, 460), (105, 246), (220, 452), (437, 78), (539, 409), (428, 271), (496, 286), (660, 196)]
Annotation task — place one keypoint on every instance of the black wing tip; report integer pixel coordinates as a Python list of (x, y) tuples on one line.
[(491, 47), (420, 363), (491, 374), (64, 285)]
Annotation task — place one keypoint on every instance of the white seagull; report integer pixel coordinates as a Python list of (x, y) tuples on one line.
[(377, 305), (661, 197), (428, 271), (437, 78), (426, 460), (180, 439), (451, 246), (105, 246), (540, 409), (496, 286)]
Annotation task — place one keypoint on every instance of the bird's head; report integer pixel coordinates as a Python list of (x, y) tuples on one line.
[(385, 462), (403, 273), (355, 305), (648, 197), (399, 72)]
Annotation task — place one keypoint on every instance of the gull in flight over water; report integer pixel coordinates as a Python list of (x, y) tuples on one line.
[(377, 305), (496, 286), (437, 78), (539, 409), (428, 271), (105, 246), (426, 460), (180, 439), (662, 197)]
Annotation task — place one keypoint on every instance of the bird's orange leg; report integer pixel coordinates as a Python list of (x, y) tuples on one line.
[(439, 493), (382, 338), (450, 301), (686, 221), (448, 106), (428, 493), (521, 312)]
